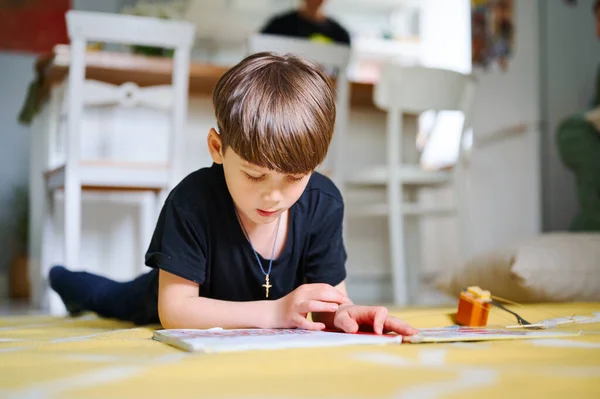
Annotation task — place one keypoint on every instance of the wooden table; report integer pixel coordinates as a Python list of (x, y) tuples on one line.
[(118, 68)]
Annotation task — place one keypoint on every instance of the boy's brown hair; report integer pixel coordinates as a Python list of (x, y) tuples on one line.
[(276, 112)]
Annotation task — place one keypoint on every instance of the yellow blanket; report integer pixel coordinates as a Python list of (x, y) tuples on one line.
[(94, 358)]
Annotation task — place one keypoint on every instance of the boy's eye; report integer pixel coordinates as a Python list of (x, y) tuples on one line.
[(295, 178), (254, 178)]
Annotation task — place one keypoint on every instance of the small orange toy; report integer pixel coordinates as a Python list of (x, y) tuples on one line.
[(473, 307)]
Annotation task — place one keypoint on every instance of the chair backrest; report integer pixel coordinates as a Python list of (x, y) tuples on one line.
[(83, 27), (331, 56), (327, 54), (130, 29), (416, 89)]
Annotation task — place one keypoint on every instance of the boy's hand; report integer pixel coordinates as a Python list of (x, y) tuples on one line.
[(292, 309), (350, 318)]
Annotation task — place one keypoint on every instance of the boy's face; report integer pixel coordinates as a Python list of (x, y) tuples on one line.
[(260, 195)]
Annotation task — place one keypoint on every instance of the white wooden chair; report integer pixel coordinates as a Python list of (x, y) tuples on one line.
[(334, 57), (72, 175), (412, 90)]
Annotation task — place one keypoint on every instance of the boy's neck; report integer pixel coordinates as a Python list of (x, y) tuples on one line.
[(264, 238)]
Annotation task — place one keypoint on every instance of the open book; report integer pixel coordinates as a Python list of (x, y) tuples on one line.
[(472, 334), (220, 340)]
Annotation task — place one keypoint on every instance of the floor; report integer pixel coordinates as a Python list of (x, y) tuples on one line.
[(94, 358), (9, 307)]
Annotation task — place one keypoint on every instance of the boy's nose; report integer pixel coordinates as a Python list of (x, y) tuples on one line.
[(273, 197)]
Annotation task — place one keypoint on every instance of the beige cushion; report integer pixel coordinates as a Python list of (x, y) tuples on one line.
[(556, 267)]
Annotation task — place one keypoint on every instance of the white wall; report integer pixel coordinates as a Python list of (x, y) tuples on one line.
[(17, 72), (95, 5), (505, 176), (446, 34), (570, 57)]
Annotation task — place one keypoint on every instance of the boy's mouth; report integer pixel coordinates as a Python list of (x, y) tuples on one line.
[(265, 213)]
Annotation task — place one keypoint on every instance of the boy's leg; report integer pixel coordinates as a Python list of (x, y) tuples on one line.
[(134, 301)]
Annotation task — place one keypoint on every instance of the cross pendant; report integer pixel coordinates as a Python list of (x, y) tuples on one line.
[(267, 285)]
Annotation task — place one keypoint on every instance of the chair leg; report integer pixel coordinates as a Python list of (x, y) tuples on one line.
[(50, 301), (396, 242), (412, 245), (395, 208), (147, 219), (47, 248), (462, 216), (72, 227)]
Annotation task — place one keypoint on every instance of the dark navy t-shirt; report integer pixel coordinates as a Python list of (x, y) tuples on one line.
[(198, 237), (295, 25)]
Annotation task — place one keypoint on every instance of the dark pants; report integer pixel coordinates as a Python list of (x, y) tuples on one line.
[(134, 301)]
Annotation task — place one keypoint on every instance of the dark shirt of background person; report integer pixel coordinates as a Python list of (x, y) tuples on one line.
[(308, 22)]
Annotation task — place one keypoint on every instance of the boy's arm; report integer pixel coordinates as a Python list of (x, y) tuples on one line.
[(179, 306)]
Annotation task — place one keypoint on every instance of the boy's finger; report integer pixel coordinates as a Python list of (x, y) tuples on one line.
[(327, 293), (346, 323), (398, 326), (379, 319), (317, 306), (305, 324)]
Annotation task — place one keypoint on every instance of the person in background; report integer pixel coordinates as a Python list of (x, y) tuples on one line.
[(593, 115), (578, 144), (308, 22)]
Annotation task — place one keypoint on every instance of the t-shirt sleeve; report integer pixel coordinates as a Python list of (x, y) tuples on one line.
[(342, 35), (178, 244), (273, 27), (327, 253)]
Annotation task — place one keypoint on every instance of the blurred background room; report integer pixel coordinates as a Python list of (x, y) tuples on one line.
[(501, 191)]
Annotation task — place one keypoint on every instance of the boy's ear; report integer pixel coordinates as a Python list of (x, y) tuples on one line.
[(215, 146)]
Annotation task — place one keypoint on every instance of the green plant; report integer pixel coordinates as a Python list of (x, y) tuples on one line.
[(152, 51)]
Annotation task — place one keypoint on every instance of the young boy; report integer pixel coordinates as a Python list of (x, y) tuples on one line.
[(255, 240)]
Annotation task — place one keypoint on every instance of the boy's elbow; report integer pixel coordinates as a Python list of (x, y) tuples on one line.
[(174, 293), (168, 323), (166, 317), (169, 314)]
